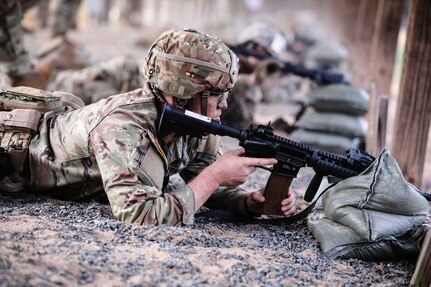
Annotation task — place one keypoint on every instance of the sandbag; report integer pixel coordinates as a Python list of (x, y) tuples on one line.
[(329, 142), (339, 99), (376, 215), (347, 125), (326, 54)]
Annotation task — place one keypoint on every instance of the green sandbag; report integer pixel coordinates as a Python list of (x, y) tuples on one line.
[(342, 124), (376, 215), (339, 99), (326, 141)]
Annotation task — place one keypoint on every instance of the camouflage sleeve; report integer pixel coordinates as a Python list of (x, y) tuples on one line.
[(134, 191), (232, 199), (207, 152)]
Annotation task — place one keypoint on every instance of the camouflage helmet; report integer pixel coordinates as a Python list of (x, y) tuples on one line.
[(266, 35), (186, 62)]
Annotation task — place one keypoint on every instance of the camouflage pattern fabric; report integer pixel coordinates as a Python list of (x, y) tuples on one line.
[(112, 145), (280, 90), (64, 16), (63, 54), (117, 75), (242, 103), (12, 49), (186, 62)]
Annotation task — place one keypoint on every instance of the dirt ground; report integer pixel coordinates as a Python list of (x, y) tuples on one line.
[(45, 242)]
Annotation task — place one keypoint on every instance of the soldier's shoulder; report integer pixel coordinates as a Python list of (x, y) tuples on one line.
[(134, 97), (124, 103)]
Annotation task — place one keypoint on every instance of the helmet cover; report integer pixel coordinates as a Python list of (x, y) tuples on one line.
[(266, 35), (186, 62)]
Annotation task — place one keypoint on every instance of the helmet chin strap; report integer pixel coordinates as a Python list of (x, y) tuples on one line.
[(204, 103)]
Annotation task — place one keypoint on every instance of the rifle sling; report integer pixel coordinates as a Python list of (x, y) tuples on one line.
[(235, 218)]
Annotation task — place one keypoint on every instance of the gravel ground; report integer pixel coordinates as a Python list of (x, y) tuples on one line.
[(46, 242)]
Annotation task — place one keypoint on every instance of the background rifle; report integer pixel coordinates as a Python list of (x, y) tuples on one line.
[(320, 76)]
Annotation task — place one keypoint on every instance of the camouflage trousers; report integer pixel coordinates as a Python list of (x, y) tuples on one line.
[(12, 50), (64, 16)]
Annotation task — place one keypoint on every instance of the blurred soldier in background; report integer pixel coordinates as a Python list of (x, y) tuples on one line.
[(129, 12), (306, 33), (58, 55), (64, 17), (100, 80), (12, 52), (262, 40)]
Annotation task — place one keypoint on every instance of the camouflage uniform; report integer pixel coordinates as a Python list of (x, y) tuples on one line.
[(12, 49), (241, 103), (101, 80), (117, 149), (64, 16), (248, 93)]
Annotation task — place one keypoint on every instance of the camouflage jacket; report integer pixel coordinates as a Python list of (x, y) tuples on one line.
[(112, 145)]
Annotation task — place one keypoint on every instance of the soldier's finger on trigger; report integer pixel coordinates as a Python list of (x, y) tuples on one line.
[(263, 162)]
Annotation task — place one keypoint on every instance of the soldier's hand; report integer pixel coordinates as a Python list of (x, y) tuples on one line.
[(288, 205), (256, 199), (232, 169)]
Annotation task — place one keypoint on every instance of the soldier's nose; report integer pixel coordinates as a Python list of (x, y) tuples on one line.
[(222, 105)]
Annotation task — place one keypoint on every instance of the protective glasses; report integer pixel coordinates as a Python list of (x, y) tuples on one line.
[(222, 95)]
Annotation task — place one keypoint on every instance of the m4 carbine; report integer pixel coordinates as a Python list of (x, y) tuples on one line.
[(319, 76), (261, 142)]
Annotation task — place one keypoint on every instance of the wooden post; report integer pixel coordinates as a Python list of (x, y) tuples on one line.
[(384, 44), (369, 29), (377, 124), (422, 275), (370, 141), (382, 123), (361, 38), (413, 113)]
